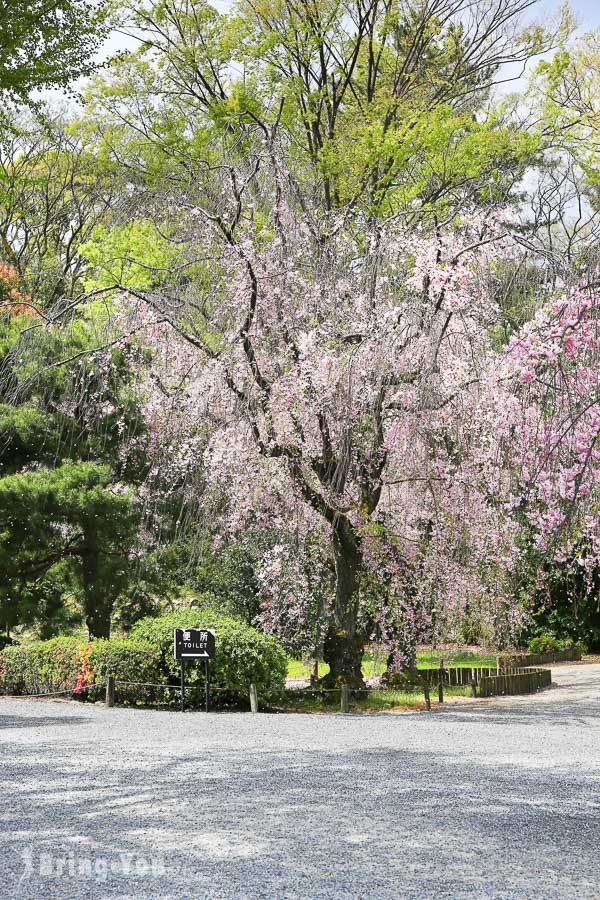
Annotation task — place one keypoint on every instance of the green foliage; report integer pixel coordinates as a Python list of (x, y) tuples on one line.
[(135, 255), (76, 491), (243, 654), (145, 658), (451, 148), (65, 663), (71, 513), (51, 601), (54, 191), (36, 667), (47, 44), (547, 643), (68, 520), (388, 104), (564, 93), (62, 396), (26, 436), (127, 659), (564, 597), (230, 574), (569, 623)]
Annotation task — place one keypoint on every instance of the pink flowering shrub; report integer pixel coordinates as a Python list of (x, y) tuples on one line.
[(550, 417), (86, 671)]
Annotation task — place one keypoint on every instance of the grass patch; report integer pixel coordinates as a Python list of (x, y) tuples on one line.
[(387, 700), (301, 670), (375, 663), (455, 659), (314, 701), (297, 668)]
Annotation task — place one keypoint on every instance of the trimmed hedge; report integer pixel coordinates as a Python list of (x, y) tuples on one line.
[(243, 654), (67, 664), (37, 667), (128, 660)]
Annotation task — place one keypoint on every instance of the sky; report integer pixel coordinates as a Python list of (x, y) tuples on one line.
[(588, 11)]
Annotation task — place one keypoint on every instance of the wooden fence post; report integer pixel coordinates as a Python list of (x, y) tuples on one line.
[(427, 698), (344, 699), (110, 690), (253, 699), (441, 683)]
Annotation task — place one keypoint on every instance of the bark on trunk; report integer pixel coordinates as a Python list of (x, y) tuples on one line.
[(344, 644), (97, 605)]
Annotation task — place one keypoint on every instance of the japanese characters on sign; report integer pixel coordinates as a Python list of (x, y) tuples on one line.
[(193, 643)]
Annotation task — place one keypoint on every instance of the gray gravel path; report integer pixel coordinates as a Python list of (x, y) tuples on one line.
[(490, 800)]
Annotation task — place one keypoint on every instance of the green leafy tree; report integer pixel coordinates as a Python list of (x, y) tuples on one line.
[(231, 573), (72, 447), (74, 514), (387, 102), (561, 222), (54, 194), (565, 90), (45, 45)]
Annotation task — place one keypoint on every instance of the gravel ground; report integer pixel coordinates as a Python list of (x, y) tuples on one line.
[(483, 800)]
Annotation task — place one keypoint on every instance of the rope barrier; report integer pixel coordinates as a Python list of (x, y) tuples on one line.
[(46, 694), (238, 690), (177, 687), (54, 693), (355, 690)]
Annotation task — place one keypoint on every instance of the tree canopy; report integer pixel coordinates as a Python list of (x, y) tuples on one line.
[(47, 44)]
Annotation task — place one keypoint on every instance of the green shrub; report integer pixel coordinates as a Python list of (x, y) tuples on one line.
[(128, 660), (37, 667), (65, 663), (547, 643), (243, 654)]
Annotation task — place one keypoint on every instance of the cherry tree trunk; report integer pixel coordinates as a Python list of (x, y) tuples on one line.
[(344, 643)]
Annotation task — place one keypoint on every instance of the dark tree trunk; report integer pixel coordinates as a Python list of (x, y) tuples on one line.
[(344, 644), (97, 605), (98, 621)]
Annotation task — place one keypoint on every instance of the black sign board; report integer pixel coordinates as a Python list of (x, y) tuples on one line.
[(193, 643)]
